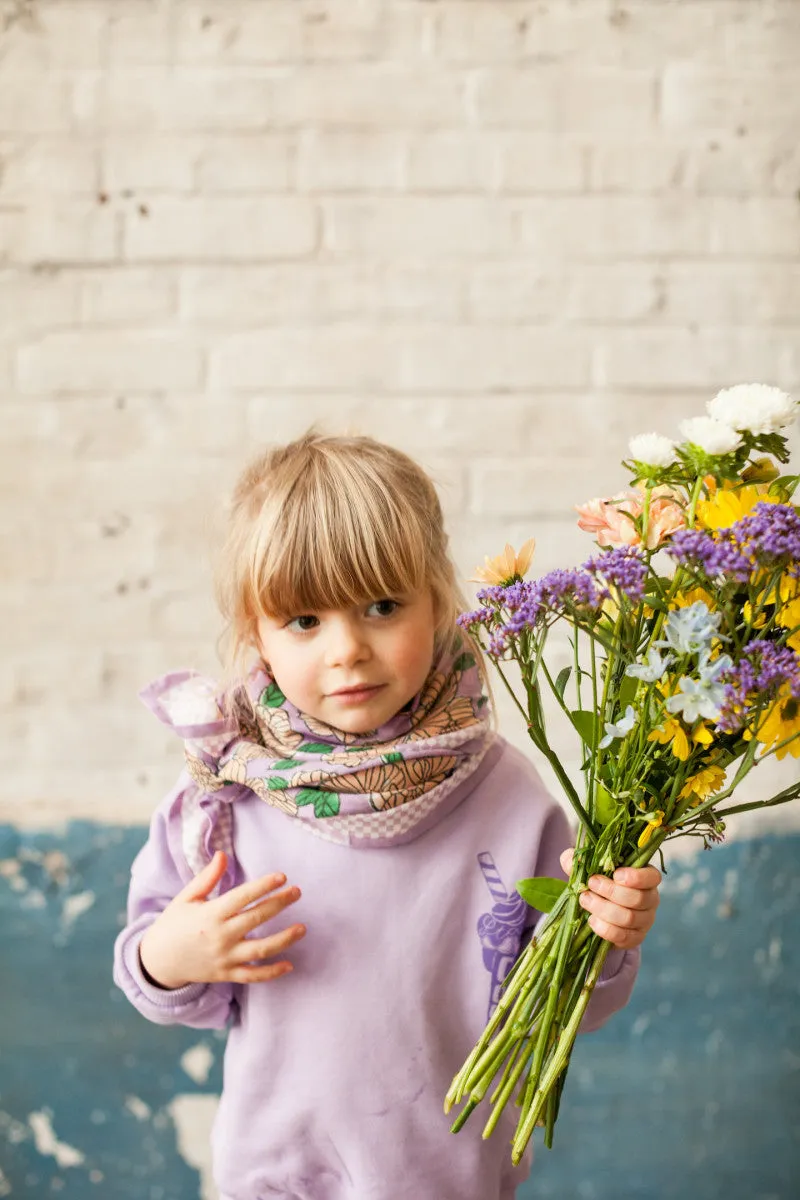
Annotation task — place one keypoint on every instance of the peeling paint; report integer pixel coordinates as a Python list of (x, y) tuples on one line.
[(75, 906), (193, 1117), (197, 1062), (138, 1108), (47, 1143)]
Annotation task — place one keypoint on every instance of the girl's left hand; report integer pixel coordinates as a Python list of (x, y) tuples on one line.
[(622, 908)]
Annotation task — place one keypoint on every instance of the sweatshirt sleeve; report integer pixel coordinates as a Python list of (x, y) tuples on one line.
[(158, 873), (614, 988)]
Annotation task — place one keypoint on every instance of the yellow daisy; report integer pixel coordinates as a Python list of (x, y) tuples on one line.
[(508, 566), (707, 782), (782, 721), (653, 821), (726, 507)]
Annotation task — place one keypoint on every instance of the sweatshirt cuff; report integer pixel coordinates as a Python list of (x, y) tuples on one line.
[(613, 964), (161, 997)]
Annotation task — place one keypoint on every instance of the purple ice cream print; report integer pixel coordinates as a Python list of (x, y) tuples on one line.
[(501, 929)]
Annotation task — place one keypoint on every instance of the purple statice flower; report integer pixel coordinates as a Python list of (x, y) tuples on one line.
[(770, 536), (623, 567), (762, 669), (562, 590), (511, 596), (714, 555), (481, 616)]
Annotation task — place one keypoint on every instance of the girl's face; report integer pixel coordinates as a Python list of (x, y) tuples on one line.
[(353, 668)]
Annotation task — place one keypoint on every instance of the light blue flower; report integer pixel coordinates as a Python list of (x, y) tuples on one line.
[(652, 670), (710, 672), (621, 728), (697, 698), (691, 630)]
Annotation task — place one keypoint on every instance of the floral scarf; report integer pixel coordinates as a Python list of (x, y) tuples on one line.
[(364, 789)]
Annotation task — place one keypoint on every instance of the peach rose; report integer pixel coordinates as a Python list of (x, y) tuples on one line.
[(610, 519)]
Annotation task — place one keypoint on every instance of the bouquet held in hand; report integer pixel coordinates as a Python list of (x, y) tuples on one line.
[(683, 680)]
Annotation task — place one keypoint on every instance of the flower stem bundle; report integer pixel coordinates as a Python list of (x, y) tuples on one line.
[(682, 681)]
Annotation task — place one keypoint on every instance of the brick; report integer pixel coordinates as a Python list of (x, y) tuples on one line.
[(644, 166), (376, 96), (384, 361), (500, 293), (138, 33), (763, 38), (432, 226), (147, 163), (31, 103), (32, 302), (233, 31), (210, 100), (344, 30), (350, 160), (603, 227), (531, 162), (534, 487), (284, 32), (120, 296), (753, 226), (732, 294), (454, 161), (548, 98), (63, 35), (314, 293), (221, 229), (725, 100), (682, 358), (612, 293), (63, 232), (246, 164), (102, 361), (44, 168)]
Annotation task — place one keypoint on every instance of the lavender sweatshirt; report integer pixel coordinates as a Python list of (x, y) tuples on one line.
[(335, 1075)]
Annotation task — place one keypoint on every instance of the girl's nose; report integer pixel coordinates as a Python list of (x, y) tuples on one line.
[(345, 645)]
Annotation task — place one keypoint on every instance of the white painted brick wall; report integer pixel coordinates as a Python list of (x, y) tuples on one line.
[(502, 234)]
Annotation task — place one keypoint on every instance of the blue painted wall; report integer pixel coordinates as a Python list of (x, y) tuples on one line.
[(693, 1090)]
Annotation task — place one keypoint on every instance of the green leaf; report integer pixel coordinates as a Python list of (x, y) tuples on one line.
[(272, 696), (307, 796), (627, 691), (326, 804), (464, 662), (541, 892), (605, 806), (561, 681), (654, 601), (315, 748), (395, 756), (586, 723), (276, 784), (286, 764)]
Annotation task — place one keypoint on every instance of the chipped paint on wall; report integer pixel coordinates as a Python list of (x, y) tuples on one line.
[(701, 1073)]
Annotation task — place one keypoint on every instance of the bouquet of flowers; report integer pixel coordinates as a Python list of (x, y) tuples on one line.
[(685, 677)]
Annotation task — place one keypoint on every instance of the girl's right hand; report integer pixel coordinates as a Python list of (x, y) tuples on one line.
[(195, 940)]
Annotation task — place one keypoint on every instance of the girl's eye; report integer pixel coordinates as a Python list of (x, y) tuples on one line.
[(383, 608), (303, 623)]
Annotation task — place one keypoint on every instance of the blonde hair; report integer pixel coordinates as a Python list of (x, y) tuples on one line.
[(329, 522)]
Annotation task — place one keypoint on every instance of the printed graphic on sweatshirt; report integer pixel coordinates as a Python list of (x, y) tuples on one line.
[(500, 930)]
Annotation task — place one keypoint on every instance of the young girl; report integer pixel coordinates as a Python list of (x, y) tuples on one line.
[(333, 874)]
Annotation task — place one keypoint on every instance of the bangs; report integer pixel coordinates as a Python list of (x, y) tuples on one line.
[(338, 537)]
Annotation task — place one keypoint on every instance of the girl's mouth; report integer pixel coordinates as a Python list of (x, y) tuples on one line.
[(358, 694)]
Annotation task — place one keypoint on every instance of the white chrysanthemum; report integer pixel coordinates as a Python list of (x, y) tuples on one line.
[(756, 407), (710, 435), (653, 449)]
